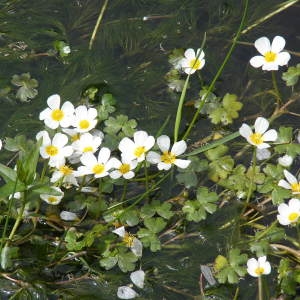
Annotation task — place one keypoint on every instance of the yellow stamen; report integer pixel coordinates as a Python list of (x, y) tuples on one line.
[(124, 168), (87, 149), (57, 114), (84, 124), (293, 217), (259, 271), (256, 138), (52, 199), (270, 56), (128, 239), (168, 157), (139, 151), (295, 187), (98, 169), (66, 170), (75, 137), (195, 64), (51, 150)]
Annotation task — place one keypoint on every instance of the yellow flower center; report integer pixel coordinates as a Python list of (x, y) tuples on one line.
[(98, 169), (66, 170), (195, 64), (168, 157), (88, 149), (295, 187), (293, 217), (128, 239), (51, 150), (124, 168), (256, 138), (57, 115), (270, 56), (259, 270), (139, 151), (52, 199), (84, 124)]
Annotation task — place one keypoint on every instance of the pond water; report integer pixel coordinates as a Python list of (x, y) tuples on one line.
[(129, 59)]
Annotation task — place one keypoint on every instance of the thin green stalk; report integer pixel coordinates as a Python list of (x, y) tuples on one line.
[(275, 86), (124, 191), (260, 289), (97, 24), (219, 72), (146, 175), (10, 204), (179, 109)]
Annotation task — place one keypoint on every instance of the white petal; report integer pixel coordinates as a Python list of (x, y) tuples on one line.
[(262, 260), (182, 163), (54, 101), (120, 231), (263, 146), (179, 148), (81, 111), (125, 292), (51, 123), (278, 44), (45, 114), (284, 184), (115, 174), (283, 58), (92, 113), (270, 66), (140, 137), (267, 268), (245, 131), (88, 159), (261, 125), (283, 209), (190, 53), (67, 151), (189, 70), (129, 175), (270, 135), (149, 143), (283, 220), (294, 205), (257, 61), (126, 145), (138, 278), (163, 143), (137, 247), (68, 216), (163, 166), (201, 55), (262, 45), (290, 177), (103, 155), (153, 157), (60, 140)]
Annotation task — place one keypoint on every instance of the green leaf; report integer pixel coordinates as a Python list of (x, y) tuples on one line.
[(10, 188), (120, 125), (149, 239), (220, 168), (44, 189), (216, 152), (162, 209), (230, 269), (26, 86), (155, 225), (108, 262), (131, 217), (195, 210), (285, 135), (7, 254), (126, 260), (7, 173), (291, 76)]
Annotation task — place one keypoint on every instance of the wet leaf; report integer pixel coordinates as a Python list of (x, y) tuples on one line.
[(27, 86), (291, 76)]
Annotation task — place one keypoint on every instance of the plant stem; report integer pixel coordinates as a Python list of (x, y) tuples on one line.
[(219, 72), (260, 289), (179, 109), (275, 86), (97, 24)]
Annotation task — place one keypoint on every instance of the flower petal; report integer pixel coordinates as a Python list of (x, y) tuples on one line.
[(261, 125), (54, 101), (125, 292), (153, 157), (163, 143), (190, 53), (283, 58), (138, 278), (257, 61), (182, 163), (262, 45), (278, 44), (290, 177), (179, 148), (270, 135), (245, 131)]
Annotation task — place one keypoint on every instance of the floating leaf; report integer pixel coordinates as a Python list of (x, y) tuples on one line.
[(291, 76), (27, 86)]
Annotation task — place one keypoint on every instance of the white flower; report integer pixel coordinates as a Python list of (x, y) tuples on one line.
[(289, 213), (291, 184), (130, 240), (66, 50), (85, 119), (68, 216), (259, 267), (165, 160), (72, 133), (87, 143), (261, 134), (126, 292), (137, 148), (123, 168), (55, 116), (56, 150), (271, 56), (99, 167), (262, 154), (285, 160), (66, 173), (192, 61), (54, 200)]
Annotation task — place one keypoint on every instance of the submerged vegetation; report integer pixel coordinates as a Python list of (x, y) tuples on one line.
[(123, 176)]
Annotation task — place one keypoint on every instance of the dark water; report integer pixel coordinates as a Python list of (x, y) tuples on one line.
[(130, 59)]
